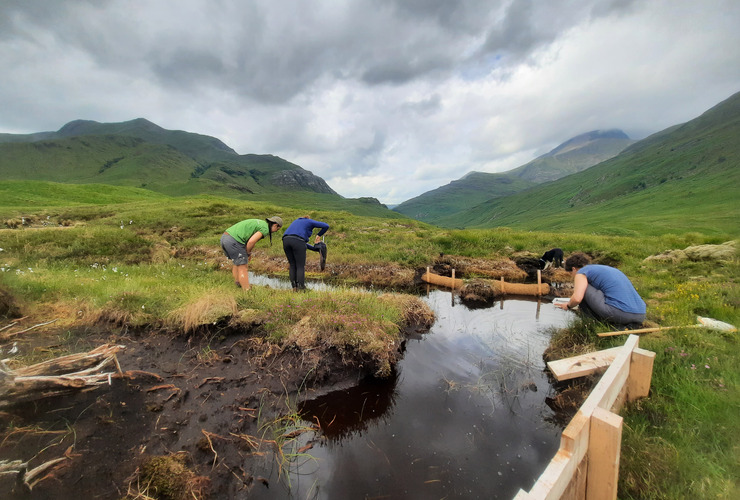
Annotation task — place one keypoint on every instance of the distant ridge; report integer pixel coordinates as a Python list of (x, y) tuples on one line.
[(140, 153), (574, 155), (684, 178)]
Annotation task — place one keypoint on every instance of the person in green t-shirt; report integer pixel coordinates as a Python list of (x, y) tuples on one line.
[(239, 240)]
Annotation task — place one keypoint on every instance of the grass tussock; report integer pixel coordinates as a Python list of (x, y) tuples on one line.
[(9, 307), (577, 338), (209, 309), (415, 312), (356, 324), (168, 477)]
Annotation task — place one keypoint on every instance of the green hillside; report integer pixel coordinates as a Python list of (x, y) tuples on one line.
[(18, 197), (459, 195), (686, 178), (572, 156), (142, 154)]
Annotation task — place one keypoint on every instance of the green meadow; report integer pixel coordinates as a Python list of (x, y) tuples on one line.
[(92, 255)]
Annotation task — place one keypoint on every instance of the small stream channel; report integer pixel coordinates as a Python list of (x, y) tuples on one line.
[(463, 416)]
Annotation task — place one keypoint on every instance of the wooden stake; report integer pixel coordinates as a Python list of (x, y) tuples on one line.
[(641, 373), (603, 455)]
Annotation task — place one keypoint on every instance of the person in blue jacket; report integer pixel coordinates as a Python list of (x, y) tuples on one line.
[(296, 240), (603, 292)]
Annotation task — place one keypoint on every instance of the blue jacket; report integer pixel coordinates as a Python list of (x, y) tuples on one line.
[(304, 227)]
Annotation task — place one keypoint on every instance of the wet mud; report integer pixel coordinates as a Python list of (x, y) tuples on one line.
[(206, 397)]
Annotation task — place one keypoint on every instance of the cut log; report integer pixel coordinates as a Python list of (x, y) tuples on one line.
[(436, 279), (500, 287), (521, 288)]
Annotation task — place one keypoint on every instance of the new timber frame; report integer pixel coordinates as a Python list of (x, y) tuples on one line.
[(587, 464)]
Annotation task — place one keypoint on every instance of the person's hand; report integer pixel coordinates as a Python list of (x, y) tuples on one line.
[(318, 240), (563, 306)]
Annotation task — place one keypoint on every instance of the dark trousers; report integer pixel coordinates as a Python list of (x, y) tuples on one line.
[(295, 250), (594, 305)]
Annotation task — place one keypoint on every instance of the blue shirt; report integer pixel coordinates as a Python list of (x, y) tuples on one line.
[(617, 288), (304, 228)]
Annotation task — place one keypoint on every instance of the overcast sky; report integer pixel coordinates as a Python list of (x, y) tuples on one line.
[(381, 98)]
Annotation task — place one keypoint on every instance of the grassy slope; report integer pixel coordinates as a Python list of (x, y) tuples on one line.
[(565, 160), (474, 188), (19, 198), (27, 196), (140, 153), (686, 178), (477, 187)]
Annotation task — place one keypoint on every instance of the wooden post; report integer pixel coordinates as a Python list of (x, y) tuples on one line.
[(641, 373), (453, 279), (503, 291), (603, 455), (539, 282)]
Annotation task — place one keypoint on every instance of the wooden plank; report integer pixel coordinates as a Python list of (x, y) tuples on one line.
[(582, 365), (612, 382), (523, 495), (574, 438), (641, 374), (555, 480), (603, 455), (577, 488)]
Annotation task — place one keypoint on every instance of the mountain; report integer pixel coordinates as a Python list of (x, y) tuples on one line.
[(572, 156), (684, 178), (140, 153), (471, 189)]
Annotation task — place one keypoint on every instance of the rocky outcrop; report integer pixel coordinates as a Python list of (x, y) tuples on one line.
[(301, 179)]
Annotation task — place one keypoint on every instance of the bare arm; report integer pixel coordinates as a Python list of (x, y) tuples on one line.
[(580, 283), (253, 241)]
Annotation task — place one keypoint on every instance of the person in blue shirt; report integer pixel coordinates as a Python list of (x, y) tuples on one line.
[(603, 292), (295, 242)]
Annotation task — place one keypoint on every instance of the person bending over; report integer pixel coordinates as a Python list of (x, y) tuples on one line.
[(239, 240), (295, 242), (603, 292)]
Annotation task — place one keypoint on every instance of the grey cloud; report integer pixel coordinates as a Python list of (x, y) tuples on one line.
[(467, 17), (37, 12), (425, 107), (527, 25)]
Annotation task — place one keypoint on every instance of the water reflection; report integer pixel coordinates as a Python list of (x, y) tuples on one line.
[(464, 416), (348, 413)]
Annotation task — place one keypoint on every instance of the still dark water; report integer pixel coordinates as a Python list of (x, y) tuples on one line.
[(464, 416)]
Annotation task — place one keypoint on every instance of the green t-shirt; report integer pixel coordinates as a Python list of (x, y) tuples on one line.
[(242, 231)]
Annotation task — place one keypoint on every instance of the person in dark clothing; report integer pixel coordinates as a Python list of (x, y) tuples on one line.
[(603, 292), (295, 243)]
